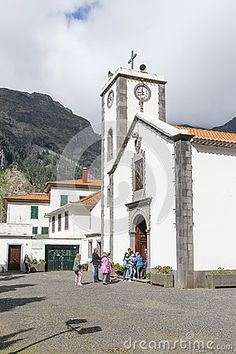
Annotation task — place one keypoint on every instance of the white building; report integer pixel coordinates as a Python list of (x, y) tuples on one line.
[(170, 189), (52, 226)]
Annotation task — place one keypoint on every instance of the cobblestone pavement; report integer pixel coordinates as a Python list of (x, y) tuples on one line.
[(46, 313)]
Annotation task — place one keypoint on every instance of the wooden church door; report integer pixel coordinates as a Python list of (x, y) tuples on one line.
[(140, 241)]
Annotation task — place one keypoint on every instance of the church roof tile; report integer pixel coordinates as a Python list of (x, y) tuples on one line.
[(211, 137)]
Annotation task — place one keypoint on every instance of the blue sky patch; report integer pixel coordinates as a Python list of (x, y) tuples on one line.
[(82, 13)]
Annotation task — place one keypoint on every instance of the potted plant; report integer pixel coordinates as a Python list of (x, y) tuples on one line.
[(162, 276), (37, 265)]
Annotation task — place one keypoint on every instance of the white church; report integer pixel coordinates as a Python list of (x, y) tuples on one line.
[(166, 188)]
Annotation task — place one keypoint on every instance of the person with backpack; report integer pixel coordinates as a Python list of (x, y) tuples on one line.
[(96, 261)]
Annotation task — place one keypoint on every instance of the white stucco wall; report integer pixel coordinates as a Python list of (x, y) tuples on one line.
[(214, 200), (72, 192), (159, 184), (36, 248), (79, 224), (20, 213)]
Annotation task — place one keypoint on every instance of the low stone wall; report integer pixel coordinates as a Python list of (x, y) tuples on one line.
[(165, 280), (221, 280)]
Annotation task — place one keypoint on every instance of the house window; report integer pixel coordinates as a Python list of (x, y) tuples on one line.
[(44, 230), (34, 212), (138, 175), (90, 249), (64, 200), (110, 145), (53, 224), (66, 220), (59, 222), (34, 230)]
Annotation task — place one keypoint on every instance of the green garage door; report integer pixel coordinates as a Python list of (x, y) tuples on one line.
[(60, 257)]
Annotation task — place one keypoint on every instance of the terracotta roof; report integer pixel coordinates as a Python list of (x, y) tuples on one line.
[(74, 182), (91, 199), (34, 197), (211, 137)]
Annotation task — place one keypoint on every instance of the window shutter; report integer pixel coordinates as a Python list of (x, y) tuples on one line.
[(34, 230), (64, 200), (34, 212), (44, 230)]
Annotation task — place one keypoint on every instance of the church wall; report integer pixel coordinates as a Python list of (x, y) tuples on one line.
[(159, 185), (214, 197)]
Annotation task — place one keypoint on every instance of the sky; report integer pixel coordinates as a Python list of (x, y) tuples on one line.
[(66, 47)]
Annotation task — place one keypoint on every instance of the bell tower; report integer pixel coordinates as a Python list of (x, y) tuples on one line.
[(126, 93)]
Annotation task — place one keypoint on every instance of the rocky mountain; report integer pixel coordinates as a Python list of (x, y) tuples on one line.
[(40, 140), (44, 140), (229, 127)]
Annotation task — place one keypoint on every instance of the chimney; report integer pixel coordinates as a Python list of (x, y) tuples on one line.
[(85, 175)]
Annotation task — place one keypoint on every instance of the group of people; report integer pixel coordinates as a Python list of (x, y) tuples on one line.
[(134, 265), (103, 263)]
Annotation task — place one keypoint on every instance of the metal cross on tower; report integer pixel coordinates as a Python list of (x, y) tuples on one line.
[(131, 61)]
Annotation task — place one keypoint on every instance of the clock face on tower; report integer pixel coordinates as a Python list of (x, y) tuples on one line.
[(142, 92), (110, 98)]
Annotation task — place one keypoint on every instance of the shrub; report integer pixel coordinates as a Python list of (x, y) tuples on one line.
[(148, 275), (118, 269), (164, 269), (34, 261)]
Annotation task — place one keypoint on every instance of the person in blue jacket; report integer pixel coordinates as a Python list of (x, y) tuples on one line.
[(139, 264)]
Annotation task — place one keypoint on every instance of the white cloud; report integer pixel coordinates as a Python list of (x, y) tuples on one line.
[(190, 42)]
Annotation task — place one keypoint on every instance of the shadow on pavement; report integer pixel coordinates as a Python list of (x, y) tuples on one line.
[(7, 304), (7, 340), (10, 277), (5, 288), (72, 325)]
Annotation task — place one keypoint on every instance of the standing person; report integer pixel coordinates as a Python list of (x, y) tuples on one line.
[(125, 265), (139, 264), (27, 263), (145, 262), (109, 257), (77, 268), (105, 268), (132, 267), (96, 261)]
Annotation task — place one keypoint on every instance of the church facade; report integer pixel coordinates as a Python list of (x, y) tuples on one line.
[(169, 189)]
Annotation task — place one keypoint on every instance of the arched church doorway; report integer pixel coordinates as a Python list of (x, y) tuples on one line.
[(140, 227)]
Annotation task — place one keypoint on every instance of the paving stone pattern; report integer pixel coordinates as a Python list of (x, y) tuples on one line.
[(46, 313)]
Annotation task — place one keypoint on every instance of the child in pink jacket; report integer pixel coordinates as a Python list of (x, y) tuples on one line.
[(105, 268)]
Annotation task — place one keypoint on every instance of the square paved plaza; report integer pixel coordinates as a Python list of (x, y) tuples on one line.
[(46, 313)]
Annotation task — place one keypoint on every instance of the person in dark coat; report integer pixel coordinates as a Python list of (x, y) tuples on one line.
[(96, 261), (27, 263)]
